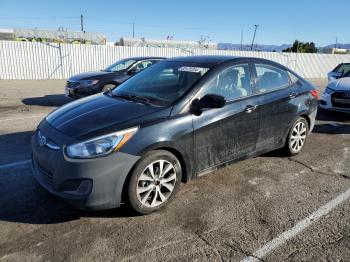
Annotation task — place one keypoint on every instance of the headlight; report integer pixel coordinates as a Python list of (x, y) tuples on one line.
[(88, 82), (100, 146), (328, 90)]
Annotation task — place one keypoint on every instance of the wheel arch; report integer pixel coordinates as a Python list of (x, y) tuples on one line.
[(303, 114), (307, 117), (165, 147), (181, 159)]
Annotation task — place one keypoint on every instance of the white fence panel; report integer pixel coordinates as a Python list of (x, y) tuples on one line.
[(26, 60)]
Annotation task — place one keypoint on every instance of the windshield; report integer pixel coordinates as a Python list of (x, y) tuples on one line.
[(344, 69), (162, 83), (120, 65)]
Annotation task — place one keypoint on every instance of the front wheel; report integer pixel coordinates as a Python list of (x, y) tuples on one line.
[(297, 136), (154, 182)]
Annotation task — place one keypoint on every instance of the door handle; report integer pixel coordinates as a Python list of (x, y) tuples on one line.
[(292, 95), (250, 108)]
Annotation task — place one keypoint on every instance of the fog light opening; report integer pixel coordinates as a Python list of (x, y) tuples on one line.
[(83, 187)]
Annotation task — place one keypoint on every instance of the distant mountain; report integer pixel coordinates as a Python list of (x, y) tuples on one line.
[(230, 46), (270, 48), (342, 46)]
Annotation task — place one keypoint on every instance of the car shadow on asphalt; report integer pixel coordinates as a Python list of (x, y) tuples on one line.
[(14, 147), (29, 203), (47, 100), (327, 115), (336, 122), (332, 129)]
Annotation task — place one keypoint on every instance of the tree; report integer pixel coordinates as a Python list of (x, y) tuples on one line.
[(301, 47)]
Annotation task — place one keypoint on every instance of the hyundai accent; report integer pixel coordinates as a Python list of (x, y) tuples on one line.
[(170, 123)]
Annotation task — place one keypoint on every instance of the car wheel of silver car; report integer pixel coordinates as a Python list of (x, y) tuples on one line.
[(297, 136), (107, 87), (154, 181)]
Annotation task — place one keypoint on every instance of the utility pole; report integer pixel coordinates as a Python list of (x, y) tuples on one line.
[(133, 30), (241, 40), (256, 28), (336, 42), (82, 23)]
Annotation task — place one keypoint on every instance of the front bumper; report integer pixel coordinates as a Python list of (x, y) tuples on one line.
[(326, 103), (79, 92), (87, 184)]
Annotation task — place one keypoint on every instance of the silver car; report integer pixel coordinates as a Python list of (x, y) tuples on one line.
[(342, 70)]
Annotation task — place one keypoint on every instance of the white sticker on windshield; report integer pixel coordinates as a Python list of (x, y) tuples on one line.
[(193, 69)]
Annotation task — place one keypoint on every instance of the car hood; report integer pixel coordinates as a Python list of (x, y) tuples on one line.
[(340, 84), (93, 75), (100, 114)]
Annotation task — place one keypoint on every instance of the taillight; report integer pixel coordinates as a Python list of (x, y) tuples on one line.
[(314, 93)]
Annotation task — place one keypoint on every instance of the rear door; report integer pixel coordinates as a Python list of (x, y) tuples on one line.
[(277, 104), (231, 132)]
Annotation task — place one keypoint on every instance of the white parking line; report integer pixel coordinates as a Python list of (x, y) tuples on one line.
[(14, 164), (20, 118), (285, 236)]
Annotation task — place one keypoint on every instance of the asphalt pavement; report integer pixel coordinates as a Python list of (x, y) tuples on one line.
[(267, 208)]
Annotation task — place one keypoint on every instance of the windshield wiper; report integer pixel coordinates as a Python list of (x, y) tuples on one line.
[(131, 97)]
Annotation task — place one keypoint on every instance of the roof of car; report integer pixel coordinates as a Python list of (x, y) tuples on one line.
[(211, 59), (218, 59), (138, 58)]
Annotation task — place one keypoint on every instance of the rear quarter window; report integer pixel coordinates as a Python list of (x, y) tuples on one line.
[(293, 78), (271, 78)]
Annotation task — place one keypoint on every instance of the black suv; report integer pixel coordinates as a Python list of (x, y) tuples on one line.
[(86, 84), (171, 123)]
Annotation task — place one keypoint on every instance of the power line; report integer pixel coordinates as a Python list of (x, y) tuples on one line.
[(154, 25), (39, 18)]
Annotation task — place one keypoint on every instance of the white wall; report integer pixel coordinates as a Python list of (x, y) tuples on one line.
[(26, 60)]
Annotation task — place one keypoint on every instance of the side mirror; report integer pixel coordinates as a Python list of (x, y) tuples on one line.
[(207, 101)]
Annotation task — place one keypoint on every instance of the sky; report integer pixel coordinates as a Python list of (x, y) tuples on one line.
[(280, 21)]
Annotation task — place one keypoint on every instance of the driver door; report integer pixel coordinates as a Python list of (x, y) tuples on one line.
[(230, 132)]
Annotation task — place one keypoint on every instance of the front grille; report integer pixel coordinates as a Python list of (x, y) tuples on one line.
[(72, 84), (341, 99), (45, 176)]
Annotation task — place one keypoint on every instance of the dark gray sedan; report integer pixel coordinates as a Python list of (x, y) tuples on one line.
[(90, 83), (173, 122)]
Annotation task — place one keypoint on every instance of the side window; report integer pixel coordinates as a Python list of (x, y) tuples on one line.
[(152, 62), (344, 68), (270, 78), (148, 63), (231, 83), (139, 66)]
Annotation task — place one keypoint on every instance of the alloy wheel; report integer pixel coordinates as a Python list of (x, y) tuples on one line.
[(156, 183), (298, 136)]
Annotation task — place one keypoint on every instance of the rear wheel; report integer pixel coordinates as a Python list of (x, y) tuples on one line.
[(154, 182), (297, 136)]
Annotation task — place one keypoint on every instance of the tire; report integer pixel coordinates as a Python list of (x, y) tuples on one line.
[(107, 86), (297, 137), (148, 193)]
